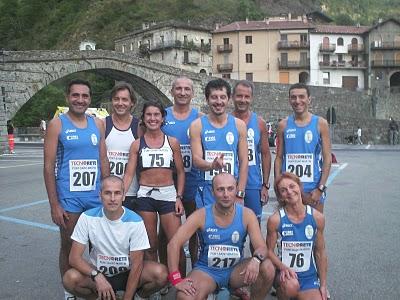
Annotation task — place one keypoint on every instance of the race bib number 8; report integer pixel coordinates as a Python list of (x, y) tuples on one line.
[(251, 151), (301, 164), (112, 265), (221, 256), (82, 175), (186, 157), (228, 161), (297, 255)]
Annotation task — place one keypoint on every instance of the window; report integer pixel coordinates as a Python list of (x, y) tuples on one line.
[(131, 46), (185, 57), (249, 58), (226, 76), (340, 58), (284, 37), (326, 77), (325, 59), (202, 57), (284, 59), (303, 38), (226, 41), (249, 76), (249, 39), (185, 40), (202, 42), (340, 41), (162, 39), (162, 55), (123, 48)]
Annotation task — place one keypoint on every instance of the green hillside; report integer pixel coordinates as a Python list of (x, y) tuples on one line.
[(62, 24)]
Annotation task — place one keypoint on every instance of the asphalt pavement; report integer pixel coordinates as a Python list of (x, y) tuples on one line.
[(361, 225)]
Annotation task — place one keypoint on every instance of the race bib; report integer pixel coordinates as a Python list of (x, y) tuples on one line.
[(156, 158), (229, 162), (297, 255), (82, 175), (186, 157), (221, 256), (112, 265), (118, 161), (251, 151), (301, 164)]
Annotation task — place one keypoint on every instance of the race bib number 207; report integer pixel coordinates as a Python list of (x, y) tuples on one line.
[(82, 175)]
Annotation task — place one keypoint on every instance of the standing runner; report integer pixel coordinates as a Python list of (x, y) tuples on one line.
[(304, 147), (258, 149), (154, 157), (177, 123), (121, 130), (74, 151), (219, 143)]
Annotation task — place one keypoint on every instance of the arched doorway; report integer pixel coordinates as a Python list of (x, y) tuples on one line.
[(304, 77), (395, 83)]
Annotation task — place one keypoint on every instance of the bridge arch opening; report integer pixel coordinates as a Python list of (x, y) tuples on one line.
[(395, 83)]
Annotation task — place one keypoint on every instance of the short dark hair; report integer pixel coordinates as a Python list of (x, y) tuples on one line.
[(217, 84), (122, 85), (245, 83), (154, 104), (300, 86), (112, 178), (80, 82)]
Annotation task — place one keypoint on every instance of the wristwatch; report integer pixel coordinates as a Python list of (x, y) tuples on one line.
[(240, 194), (180, 197), (259, 257), (322, 188), (93, 274), (267, 185)]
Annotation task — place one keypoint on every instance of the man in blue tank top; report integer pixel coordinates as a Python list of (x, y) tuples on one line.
[(223, 227), (258, 149), (177, 123), (219, 143), (304, 147), (74, 160)]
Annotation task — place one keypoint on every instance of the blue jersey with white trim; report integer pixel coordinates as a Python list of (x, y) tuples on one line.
[(217, 141), (180, 130), (254, 177), (222, 247), (77, 162), (297, 243), (303, 152)]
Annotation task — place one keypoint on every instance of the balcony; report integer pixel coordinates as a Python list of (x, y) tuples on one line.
[(191, 61), (294, 64), (355, 48), (293, 45), (177, 44), (342, 64), (225, 67), (377, 45), (224, 48), (386, 63), (327, 47)]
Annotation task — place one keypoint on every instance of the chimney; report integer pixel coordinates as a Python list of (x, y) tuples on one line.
[(289, 16), (216, 26), (144, 25), (247, 20), (380, 20)]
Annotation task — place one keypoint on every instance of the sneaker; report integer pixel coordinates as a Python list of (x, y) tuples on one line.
[(69, 296)]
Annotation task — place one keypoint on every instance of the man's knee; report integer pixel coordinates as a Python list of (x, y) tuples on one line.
[(267, 271), (290, 288), (71, 279), (155, 273)]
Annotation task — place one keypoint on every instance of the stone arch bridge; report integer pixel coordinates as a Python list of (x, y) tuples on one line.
[(24, 73)]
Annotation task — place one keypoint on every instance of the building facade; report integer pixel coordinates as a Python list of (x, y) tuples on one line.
[(180, 45), (275, 50), (338, 56)]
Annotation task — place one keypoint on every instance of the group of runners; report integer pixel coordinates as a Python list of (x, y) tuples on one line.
[(121, 185)]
